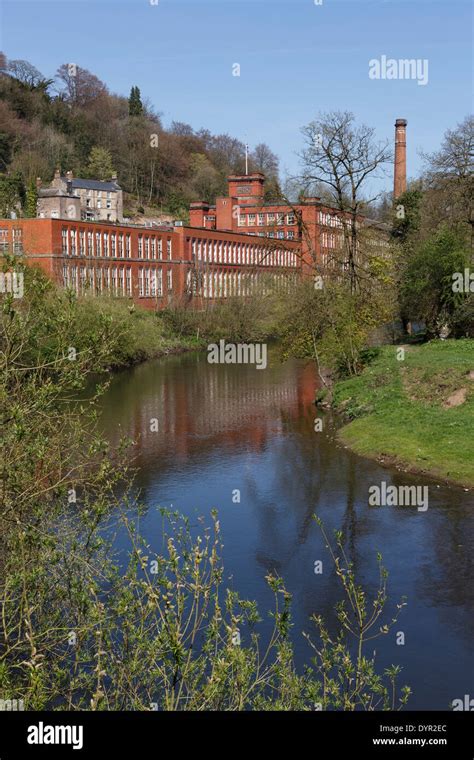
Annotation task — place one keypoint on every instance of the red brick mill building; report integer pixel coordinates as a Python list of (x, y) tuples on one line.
[(154, 266), (317, 228), (229, 249)]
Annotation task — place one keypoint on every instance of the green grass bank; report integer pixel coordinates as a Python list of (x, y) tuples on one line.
[(417, 412)]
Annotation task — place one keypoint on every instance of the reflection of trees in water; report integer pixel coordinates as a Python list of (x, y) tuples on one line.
[(227, 409), (446, 583), (307, 467), (313, 475)]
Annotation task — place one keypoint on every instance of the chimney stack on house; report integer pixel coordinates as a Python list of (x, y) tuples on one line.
[(400, 167)]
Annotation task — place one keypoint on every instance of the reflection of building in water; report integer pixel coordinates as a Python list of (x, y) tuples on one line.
[(222, 404)]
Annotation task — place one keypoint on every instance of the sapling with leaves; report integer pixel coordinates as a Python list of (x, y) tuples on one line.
[(350, 681)]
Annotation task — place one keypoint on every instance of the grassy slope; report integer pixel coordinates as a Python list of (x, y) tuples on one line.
[(398, 413)]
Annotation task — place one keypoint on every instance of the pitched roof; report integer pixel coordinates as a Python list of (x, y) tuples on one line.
[(93, 184)]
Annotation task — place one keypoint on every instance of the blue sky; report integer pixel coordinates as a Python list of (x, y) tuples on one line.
[(296, 59)]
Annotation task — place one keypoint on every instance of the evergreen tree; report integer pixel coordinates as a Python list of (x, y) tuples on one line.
[(426, 290), (31, 200), (135, 105)]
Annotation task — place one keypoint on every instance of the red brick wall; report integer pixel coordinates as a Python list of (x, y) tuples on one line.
[(247, 188), (72, 253), (314, 226)]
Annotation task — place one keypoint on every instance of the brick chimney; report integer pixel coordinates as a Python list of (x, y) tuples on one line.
[(400, 168), (69, 176)]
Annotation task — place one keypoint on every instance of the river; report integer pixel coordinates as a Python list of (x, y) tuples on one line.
[(224, 428)]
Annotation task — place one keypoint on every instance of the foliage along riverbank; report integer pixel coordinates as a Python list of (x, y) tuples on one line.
[(135, 335), (115, 334), (416, 412)]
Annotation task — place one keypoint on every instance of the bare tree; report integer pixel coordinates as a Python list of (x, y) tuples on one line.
[(341, 157), (27, 74), (227, 153), (181, 129), (79, 86), (265, 160), (455, 159)]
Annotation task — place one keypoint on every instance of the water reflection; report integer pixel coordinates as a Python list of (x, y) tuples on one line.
[(223, 428)]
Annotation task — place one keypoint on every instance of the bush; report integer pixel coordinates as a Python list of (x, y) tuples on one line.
[(463, 318), (426, 280), (254, 318)]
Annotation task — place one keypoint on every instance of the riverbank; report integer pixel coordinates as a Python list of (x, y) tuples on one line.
[(416, 413), (136, 335), (149, 338)]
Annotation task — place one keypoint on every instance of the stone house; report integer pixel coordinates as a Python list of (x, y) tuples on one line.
[(71, 197)]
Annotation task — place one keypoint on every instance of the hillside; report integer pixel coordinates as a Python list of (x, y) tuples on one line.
[(74, 122)]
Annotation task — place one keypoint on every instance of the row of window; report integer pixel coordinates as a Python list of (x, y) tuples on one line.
[(331, 240), (280, 234), (96, 194), (150, 281), (223, 252), (117, 280), (98, 203), (150, 246), (251, 220), (104, 244), (81, 242), (329, 220), (218, 284)]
